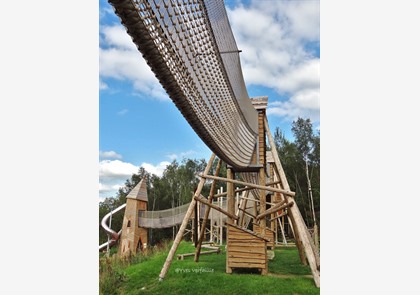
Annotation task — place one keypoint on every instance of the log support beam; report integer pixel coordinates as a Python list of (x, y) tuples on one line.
[(180, 233)]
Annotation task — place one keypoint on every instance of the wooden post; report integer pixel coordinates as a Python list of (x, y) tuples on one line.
[(282, 232), (206, 214), (230, 194), (180, 233), (195, 225), (298, 241), (236, 201), (262, 201), (244, 203), (294, 213), (198, 220), (230, 209), (221, 220), (273, 223), (219, 203), (255, 212), (279, 206), (211, 227)]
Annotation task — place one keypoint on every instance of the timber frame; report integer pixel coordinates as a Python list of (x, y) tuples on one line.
[(270, 178)]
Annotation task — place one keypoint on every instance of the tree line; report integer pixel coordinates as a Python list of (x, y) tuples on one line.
[(300, 160)]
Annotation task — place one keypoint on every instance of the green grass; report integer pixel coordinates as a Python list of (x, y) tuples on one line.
[(286, 275)]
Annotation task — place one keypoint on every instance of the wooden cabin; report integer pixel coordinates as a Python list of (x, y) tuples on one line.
[(245, 249)]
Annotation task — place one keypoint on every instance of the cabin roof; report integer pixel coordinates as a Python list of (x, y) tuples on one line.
[(247, 231)]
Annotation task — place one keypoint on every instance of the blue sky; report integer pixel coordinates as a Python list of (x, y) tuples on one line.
[(140, 126)]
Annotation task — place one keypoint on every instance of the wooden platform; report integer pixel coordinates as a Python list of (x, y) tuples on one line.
[(245, 249)]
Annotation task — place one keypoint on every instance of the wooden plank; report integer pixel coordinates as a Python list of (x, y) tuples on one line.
[(244, 243), (253, 260), (253, 256), (247, 248), (234, 226), (257, 250), (249, 264), (181, 256), (246, 235), (244, 240), (256, 256), (246, 265), (239, 243), (252, 251)]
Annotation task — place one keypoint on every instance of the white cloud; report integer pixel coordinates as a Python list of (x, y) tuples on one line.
[(299, 19), (271, 34), (116, 36), (113, 174), (122, 112), (102, 85), (110, 155), (273, 37), (116, 169), (158, 169), (106, 188), (181, 155), (119, 59), (301, 77), (304, 104), (307, 99)]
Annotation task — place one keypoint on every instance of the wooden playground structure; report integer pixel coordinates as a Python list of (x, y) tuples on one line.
[(245, 248), (250, 221), (189, 45)]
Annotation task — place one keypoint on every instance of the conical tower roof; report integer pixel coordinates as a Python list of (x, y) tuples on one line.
[(139, 192)]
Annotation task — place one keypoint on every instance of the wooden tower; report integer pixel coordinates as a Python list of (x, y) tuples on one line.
[(133, 237)]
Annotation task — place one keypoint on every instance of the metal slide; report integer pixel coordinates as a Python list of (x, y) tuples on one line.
[(111, 233)]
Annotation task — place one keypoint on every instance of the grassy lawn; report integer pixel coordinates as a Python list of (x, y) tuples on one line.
[(286, 275)]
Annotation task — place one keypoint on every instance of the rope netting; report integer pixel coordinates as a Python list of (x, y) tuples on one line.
[(190, 47), (173, 216)]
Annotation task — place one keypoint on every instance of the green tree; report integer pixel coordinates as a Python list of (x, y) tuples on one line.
[(301, 163)]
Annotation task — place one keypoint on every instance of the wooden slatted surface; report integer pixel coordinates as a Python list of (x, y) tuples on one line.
[(269, 234), (245, 249)]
